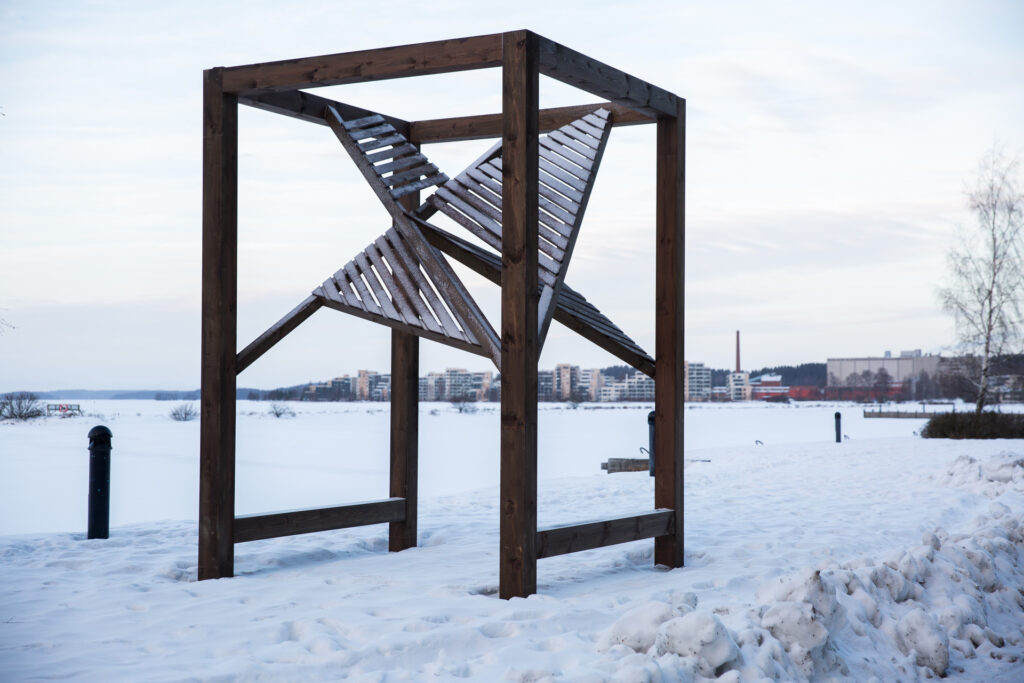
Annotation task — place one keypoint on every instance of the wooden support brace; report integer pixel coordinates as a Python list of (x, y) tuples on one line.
[(292, 522), (573, 538)]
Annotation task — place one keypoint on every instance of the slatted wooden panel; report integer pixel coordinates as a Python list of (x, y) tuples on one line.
[(568, 162), (396, 169), (386, 283)]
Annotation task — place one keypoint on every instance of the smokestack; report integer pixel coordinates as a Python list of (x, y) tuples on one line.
[(738, 351)]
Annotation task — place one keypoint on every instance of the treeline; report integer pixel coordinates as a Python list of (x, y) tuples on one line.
[(803, 375)]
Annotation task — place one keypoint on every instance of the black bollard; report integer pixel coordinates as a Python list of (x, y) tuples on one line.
[(650, 435), (99, 482), (839, 429)]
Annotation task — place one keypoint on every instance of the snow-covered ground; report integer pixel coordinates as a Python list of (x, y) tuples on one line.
[(886, 556)]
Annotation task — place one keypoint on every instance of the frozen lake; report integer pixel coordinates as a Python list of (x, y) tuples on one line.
[(333, 453)]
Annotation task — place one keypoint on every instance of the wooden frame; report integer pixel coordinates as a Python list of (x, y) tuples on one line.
[(523, 56)]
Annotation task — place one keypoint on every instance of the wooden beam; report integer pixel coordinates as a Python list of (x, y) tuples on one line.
[(597, 78), (292, 522), (485, 126), (278, 331), (668, 331), (219, 328), (421, 59), (568, 312), (519, 297), (308, 107), (405, 405), (573, 538)]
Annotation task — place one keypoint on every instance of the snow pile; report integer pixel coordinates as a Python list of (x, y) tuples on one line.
[(991, 477)]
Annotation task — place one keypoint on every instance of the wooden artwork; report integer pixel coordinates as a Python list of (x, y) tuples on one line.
[(524, 198)]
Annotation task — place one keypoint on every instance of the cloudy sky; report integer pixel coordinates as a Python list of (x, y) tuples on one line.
[(828, 149)]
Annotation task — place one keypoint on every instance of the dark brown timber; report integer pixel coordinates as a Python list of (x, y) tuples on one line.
[(519, 297), (597, 78), (421, 59), (573, 538), (308, 107), (292, 522), (219, 325), (276, 333), (486, 126), (668, 332), (405, 387)]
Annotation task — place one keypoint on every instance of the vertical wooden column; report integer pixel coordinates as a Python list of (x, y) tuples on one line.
[(519, 298), (405, 387), (668, 331), (220, 273)]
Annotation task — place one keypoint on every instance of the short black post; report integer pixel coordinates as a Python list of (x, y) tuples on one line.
[(650, 449), (99, 482), (839, 429)]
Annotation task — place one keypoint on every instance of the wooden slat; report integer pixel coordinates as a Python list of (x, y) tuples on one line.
[(483, 220), (381, 131), (476, 201), (399, 164), (418, 185), (568, 154), (597, 78), (428, 169), (412, 269), (399, 296), (381, 294), (449, 210), (367, 299), (573, 188), (552, 195), (566, 141), (482, 127), (566, 218), (584, 126), (668, 329), (308, 107), (392, 153), (219, 329), (371, 120), (292, 522), (276, 333), (381, 142), (398, 268), (574, 538), (519, 291), (422, 59)]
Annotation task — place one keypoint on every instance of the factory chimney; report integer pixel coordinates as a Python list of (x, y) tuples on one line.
[(738, 369)]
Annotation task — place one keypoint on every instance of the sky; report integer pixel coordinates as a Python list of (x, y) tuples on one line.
[(829, 147)]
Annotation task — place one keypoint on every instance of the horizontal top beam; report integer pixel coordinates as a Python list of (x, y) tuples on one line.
[(597, 78), (419, 59), (485, 126)]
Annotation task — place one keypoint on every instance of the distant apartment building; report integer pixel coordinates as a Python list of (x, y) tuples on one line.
[(590, 383), (635, 387), (566, 381), (696, 382), (372, 386), (545, 385), (739, 386), (767, 387), (337, 389)]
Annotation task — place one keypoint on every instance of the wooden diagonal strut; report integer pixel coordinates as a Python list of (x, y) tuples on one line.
[(394, 168)]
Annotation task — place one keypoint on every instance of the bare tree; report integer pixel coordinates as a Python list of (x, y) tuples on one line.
[(986, 275)]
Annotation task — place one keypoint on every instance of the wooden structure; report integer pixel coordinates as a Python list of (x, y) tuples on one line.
[(525, 199)]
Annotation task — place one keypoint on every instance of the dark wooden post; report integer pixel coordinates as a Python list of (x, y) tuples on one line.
[(519, 298), (405, 387), (668, 332), (220, 272)]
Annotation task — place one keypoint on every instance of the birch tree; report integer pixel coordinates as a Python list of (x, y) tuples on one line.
[(986, 276)]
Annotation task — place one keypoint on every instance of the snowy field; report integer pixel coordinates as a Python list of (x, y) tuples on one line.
[(886, 557)]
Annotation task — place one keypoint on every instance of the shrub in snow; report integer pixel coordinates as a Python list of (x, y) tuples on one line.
[(20, 406), (184, 412), (697, 634), (974, 426), (281, 410)]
